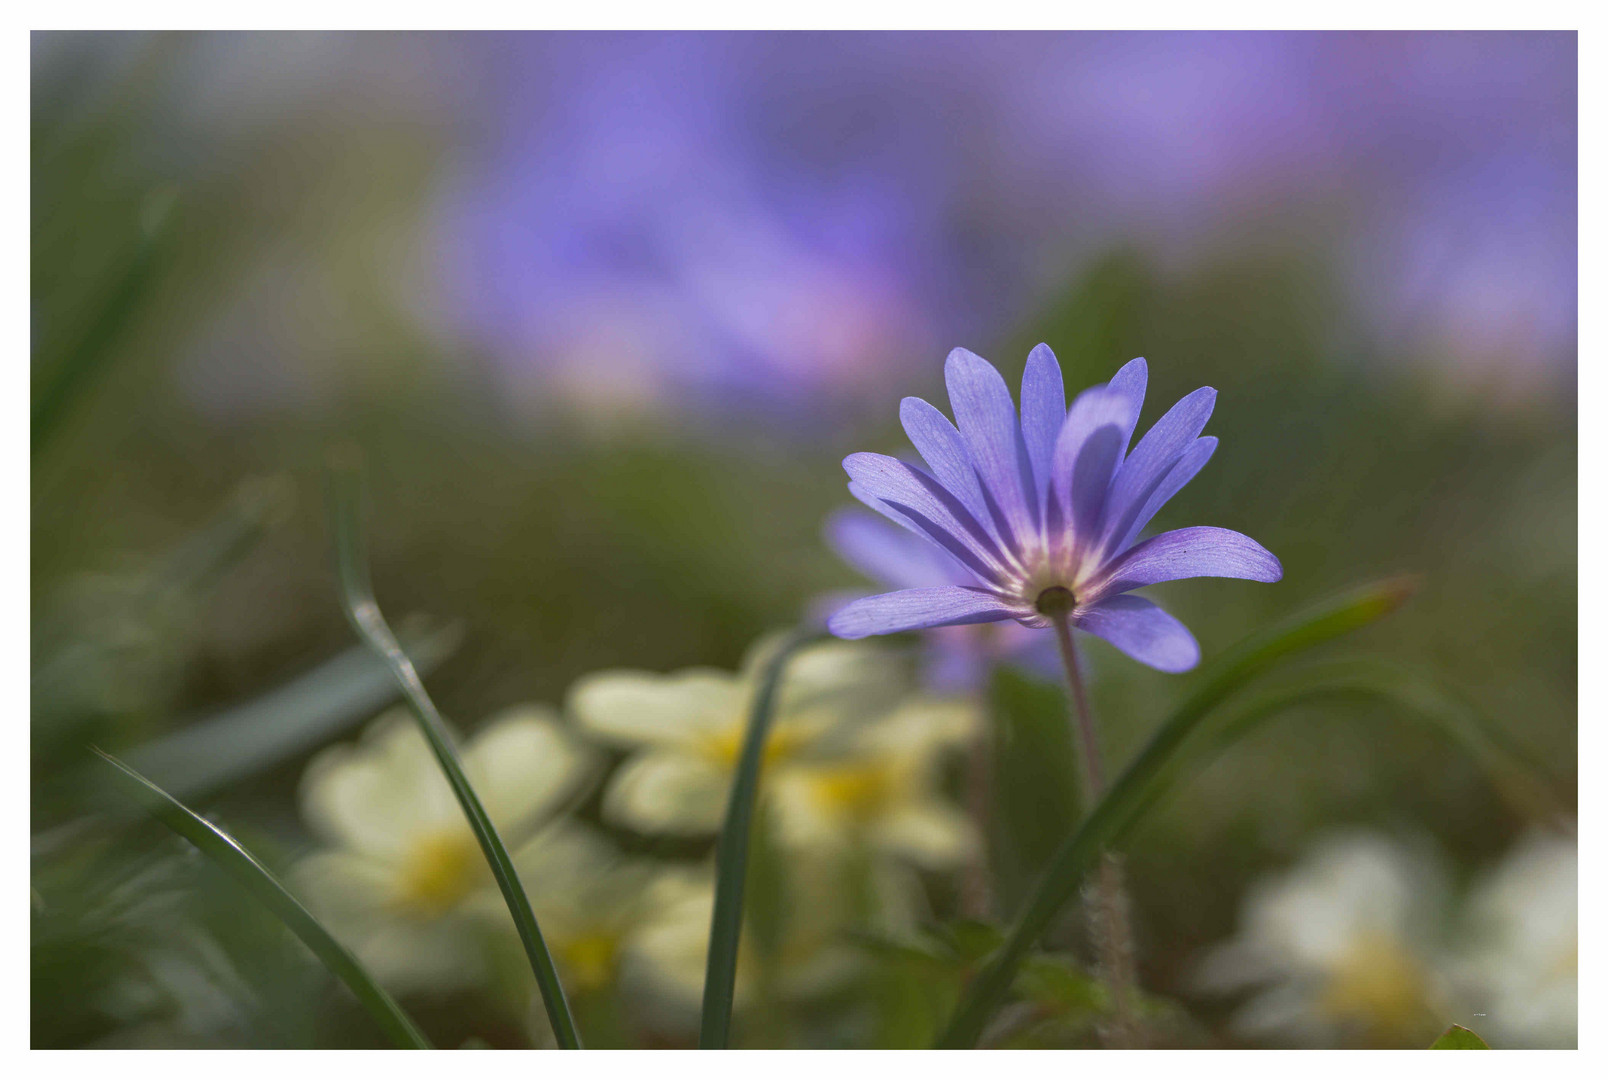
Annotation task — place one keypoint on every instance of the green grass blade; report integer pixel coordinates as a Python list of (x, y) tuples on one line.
[(731, 853), (1524, 781), (211, 753), (1132, 791), (239, 863), (364, 614)]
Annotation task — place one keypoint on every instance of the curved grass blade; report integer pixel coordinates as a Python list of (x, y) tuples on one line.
[(238, 742), (731, 853), (1524, 781), (364, 614), (1131, 792), (239, 863)]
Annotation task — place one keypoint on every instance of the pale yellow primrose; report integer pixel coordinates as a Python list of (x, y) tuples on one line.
[(1342, 949), (400, 878), (850, 760), (1520, 971)]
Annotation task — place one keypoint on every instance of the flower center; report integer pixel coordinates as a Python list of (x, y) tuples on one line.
[(723, 748), (859, 791), (1056, 601), (589, 958), (440, 869), (1377, 984)]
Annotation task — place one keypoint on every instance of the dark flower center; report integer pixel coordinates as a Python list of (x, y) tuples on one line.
[(1055, 601)]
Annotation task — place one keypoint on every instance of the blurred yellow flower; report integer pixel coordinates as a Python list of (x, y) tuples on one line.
[(589, 899), (810, 953), (1341, 949), (850, 762), (877, 787), (400, 878)]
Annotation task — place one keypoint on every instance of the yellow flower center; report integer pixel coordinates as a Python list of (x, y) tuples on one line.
[(588, 959), (859, 791), (724, 748), (440, 869), (1567, 962), (1377, 984)]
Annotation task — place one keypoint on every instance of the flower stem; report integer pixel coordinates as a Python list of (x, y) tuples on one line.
[(1107, 900), (1140, 785), (1082, 717)]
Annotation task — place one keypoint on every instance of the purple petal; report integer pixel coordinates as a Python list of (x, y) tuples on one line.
[(918, 609), (1087, 451), (1151, 460), (1193, 461), (1043, 412), (925, 507), (1130, 382), (1200, 551), (941, 447), (986, 417), (890, 555), (1143, 631)]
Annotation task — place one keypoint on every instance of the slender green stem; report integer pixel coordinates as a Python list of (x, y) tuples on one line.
[(364, 614), (1107, 905), (241, 865), (1082, 715), (1120, 807), (731, 852)]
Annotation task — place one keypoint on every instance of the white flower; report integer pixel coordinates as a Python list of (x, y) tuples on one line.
[(1521, 971), (1341, 948), (400, 878)]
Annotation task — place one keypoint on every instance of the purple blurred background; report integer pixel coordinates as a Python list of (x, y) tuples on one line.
[(782, 221)]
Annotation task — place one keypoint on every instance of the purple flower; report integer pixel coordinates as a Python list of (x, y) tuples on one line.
[(1042, 511), (958, 658)]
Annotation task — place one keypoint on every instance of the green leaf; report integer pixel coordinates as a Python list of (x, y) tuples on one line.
[(1458, 1037), (731, 850), (364, 614), (241, 865), (304, 713), (969, 941), (1057, 983), (1134, 790)]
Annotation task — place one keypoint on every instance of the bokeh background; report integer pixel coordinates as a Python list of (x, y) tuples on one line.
[(603, 312)]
